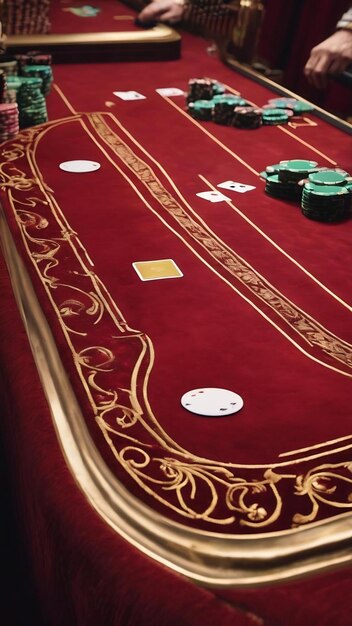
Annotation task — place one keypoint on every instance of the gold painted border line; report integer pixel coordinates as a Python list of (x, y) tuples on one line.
[(213, 269), (281, 250), (207, 558), (285, 130), (173, 444)]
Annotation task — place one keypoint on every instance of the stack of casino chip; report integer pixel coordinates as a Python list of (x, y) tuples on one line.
[(276, 116), (327, 195), (33, 57), (9, 66), (200, 89), (296, 106), (2, 85), (9, 123), (282, 180), (203, 89), (12, 85), (224, 108), (44, 72), (247, 117), (31, 102), (201, 110), (26, 17)]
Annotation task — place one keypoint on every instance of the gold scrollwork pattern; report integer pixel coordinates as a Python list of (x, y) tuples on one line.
[(113, 364)]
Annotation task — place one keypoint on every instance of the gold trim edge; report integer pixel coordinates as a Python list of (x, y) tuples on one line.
[(206, 558), (160, 33), (249, 72)]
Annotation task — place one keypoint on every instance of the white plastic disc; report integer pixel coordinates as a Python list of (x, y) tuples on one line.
[(79, 166), (212, 401)]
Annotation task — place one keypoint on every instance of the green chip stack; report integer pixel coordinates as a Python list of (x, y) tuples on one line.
[(325, 203), (282, 180), (31, 102), (40, 71), (274, 117), (327, 195)]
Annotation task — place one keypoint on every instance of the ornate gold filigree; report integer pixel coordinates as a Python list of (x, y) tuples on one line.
[(213, 492), (330, 485)]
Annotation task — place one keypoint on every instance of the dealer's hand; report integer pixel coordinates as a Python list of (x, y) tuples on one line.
[(170, 11), (331, 56)]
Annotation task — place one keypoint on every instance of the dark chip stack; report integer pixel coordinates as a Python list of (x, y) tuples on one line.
[(200, 89), (9, 125), (247, 117), (201, 110), (26, 17), (224, 107), (33, 57), (325, 203), (2, 85), (283, 190)]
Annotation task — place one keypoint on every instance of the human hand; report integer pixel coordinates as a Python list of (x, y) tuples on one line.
[(170, 11), (331, 56)]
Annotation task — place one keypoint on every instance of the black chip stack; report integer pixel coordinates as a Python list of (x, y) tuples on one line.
[(201, 110), (200, 89), (2, 85), (33, 57), (224, 108), (31, 102), (247, 117)]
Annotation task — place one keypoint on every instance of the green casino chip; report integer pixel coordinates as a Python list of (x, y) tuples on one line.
[(328, 177), (301, 107), (201, 110)]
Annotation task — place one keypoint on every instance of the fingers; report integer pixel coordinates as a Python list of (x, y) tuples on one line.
[(316, 69), (332, 56), (162, 10)]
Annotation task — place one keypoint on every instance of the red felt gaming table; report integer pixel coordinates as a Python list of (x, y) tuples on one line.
[(164, 516)]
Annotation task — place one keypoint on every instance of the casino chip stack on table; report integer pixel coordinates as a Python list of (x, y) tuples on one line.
[(207, 101), (26, 17), (25, 82), (325, 194)]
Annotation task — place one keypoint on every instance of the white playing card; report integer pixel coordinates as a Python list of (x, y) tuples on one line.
[(231, 185), (169, 91), (129, 95), (212, 196)]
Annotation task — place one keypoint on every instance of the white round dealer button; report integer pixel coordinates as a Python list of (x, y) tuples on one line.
[(212, 401), (79, 166)]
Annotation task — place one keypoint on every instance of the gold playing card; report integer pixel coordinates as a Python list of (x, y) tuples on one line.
[(155, 270)]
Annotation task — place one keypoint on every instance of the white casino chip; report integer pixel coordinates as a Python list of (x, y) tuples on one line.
[(212, 401), (79, 166)]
